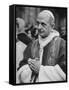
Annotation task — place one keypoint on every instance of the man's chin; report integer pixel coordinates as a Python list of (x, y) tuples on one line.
[(43, 36)]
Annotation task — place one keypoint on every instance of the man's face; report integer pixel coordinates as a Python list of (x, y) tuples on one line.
[(43, 25)]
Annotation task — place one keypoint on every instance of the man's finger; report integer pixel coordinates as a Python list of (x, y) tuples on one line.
[(32, 62), (32, 68)]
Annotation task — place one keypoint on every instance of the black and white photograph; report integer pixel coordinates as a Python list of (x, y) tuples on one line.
[(40, 44)]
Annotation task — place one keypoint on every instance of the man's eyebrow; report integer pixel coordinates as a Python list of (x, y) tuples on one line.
[(43, 23)]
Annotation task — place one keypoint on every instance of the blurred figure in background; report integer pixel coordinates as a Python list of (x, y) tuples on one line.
[(21, 25), (32, 32), (29, 34), (20, 46), (20, 32), (22, 40), (63, 28)]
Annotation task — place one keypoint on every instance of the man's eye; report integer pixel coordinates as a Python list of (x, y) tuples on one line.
[(43, 24)]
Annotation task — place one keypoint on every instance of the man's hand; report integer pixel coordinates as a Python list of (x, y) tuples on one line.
[(34, 65)]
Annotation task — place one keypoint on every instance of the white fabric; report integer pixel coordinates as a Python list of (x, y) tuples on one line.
[(41, 54), (44, 42), (51, 73), (20, 47), (46, 74), (24, 74)]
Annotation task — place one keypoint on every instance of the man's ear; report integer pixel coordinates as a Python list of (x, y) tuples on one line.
[(53, 25)]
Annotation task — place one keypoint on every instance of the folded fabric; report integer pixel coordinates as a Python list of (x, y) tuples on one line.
[(24, 74), (51, 73)]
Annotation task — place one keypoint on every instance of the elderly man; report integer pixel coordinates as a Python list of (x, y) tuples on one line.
[(44, 59)]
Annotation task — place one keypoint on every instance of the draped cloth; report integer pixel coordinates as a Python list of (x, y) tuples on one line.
[(51, 73), (20, 47), (50, 70)]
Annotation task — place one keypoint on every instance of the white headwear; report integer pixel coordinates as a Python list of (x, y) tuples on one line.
[(46, 13)]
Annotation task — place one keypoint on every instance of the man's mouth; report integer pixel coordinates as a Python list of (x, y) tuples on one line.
[(41, 31)]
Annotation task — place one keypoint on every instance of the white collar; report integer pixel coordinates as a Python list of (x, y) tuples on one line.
[(44, 42)]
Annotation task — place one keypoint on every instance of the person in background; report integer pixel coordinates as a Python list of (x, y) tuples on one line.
[(63, 29), (44, 58), (20, 33), (22, 40), (32, 32)]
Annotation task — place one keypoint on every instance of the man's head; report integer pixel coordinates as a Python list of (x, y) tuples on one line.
[(20, 25), (45, 22)]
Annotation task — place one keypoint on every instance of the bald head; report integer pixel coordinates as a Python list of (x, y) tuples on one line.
[(47, 16), (20, 24)]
